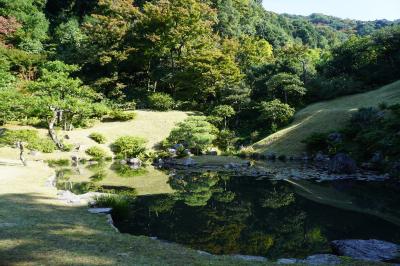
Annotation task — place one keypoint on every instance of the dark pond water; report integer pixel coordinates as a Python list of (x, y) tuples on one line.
[(267, 216), (244, 215)]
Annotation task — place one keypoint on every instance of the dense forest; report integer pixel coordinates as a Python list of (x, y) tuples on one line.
[(65, 63)]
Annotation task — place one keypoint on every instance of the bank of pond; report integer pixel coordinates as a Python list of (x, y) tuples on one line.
[(287, 210)]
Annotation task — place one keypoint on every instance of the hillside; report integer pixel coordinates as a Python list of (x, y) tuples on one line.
[(324, 117)]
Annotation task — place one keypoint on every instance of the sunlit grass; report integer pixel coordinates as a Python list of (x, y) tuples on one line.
[(324, 117)]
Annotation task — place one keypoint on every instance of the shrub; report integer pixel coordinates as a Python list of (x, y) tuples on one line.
[(226, 140), (161, 101), (195, 132), (129, 147), (122, 116), (68, 147), (317, 142), (96, 152), (98, 137)]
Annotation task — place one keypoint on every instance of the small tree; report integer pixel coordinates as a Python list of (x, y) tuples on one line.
[(223, 111), (195, 132), (287, 85), (275, 112), (226, 140), (59, 98)]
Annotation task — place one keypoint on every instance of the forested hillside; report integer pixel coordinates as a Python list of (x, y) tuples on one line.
[(66, 63)]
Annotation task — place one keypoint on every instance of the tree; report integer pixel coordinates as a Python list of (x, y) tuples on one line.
[(275, 112), (195, 133), (29, 13), (223, 111), (286, 84), (59, 98)]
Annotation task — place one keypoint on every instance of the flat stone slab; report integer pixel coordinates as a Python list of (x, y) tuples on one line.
[(249, 258), (318, 259), (372, 250), (100, 210)]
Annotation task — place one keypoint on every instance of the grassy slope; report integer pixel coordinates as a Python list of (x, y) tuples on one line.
[(324, 117)]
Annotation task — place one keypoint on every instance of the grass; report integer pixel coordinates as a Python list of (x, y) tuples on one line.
[(324, 117), (153, 126)]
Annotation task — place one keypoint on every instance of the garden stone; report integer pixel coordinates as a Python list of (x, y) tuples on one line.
[(212, 152), (335, 137), (271, 156), (320, 157), (189, 162), (372, 250), (187, 152), (172, 151), (341, 163), (250, 258), (288, 261), (322, 259), (123, 162), (136, 162), (100, 210)]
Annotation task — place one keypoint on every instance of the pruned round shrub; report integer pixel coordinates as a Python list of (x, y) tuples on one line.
[(97, 153), (161, 101), (196, 133), (98, 137), (122, 116), (129, 147)]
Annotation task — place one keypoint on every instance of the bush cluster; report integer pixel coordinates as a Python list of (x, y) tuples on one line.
[(31, 137), (98, 137), (96, 153), (129, 147), (161, 101)]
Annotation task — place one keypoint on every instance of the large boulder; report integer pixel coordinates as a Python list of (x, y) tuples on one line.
[(372, 250), (341, 163)]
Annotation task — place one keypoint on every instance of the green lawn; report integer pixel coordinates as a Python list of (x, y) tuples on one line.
[(153, 126), (324, 117)]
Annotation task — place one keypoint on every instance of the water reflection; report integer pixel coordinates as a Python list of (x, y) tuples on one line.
[(228, 215)]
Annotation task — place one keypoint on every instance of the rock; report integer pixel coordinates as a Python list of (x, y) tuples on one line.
[(123, 162), (320, 157), (249, 258), (372, 250), (271, 156), (187, 152), (377, 158), (319, 259), (341, 163), (172, 152), (75, 158), (322, 259), (100, 210), (66, 137), (135, 163), (288, 261), (189, 162), (335, 137), (305, 157), (178, 146), (34, 153)]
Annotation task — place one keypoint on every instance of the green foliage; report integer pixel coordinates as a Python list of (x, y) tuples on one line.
[(224, 112), (30, 137), (317, 142), (195, 133), (98, 137), (96, 152), (226, 140), (276, 112), (122, 116), (119, 203), (129, 147), (161, 101), (58, 163)]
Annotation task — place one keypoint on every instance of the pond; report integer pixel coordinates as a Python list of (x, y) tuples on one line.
[(223, 213)]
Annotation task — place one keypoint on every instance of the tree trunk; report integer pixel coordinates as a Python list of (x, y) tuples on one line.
[(20, 145), (52, 132)]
